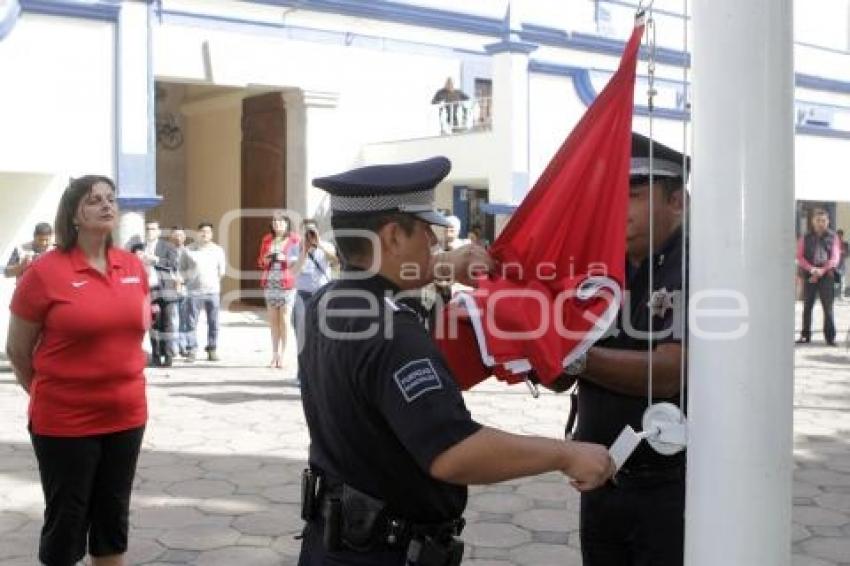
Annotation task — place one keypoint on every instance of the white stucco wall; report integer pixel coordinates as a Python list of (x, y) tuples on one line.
[(213, 177), (56, 104), (57, 119), (822, 169)]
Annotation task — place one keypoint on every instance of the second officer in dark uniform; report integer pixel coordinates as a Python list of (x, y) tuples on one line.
[(638, 519), (392, 443)]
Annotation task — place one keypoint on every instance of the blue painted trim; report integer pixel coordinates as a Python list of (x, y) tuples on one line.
[(396, 12), (282, 30), (399, 13), (443, 19), (597, 44), (104, 10), (822, 105), (822, 48), (587, 93), (508, 46), (634, 6), (822, 132), (139, 203), (820, 83), (8, 23), (498, 208)]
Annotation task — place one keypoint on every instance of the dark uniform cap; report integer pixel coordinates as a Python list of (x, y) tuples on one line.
[(403, 187), (666, 162)]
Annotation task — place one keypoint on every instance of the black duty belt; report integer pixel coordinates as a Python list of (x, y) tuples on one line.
[(357, 521)]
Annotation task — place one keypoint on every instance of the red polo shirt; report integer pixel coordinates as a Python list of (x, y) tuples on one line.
[(89, 365)]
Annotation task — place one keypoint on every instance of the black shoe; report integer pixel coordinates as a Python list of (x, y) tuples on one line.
[(831, 343), (167, 360)]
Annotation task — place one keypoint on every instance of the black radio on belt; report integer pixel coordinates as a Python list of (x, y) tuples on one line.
[(357, 521), (427, 551)]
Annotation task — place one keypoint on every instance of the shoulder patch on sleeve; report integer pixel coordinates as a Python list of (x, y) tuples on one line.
[(416, 378)]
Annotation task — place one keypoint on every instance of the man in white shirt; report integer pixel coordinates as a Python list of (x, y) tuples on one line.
[(22, 256), (205, 286)]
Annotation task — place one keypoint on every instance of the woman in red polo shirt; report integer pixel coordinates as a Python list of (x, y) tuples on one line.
[(79, 315), (278, 253)]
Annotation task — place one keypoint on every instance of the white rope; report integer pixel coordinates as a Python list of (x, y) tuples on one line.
[(651, 92), (683, 361)]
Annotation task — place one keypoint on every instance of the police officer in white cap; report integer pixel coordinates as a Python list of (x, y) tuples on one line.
[(393, 446)]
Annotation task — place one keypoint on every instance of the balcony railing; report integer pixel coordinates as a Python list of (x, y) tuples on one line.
[(464, 116)]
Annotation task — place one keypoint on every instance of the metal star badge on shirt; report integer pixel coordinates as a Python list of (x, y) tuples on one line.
[(660, 302)]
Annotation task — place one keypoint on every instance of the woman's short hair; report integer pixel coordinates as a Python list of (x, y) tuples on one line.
[(77, 189)]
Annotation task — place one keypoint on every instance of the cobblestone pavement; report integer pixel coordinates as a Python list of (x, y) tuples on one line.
[(218, 478)]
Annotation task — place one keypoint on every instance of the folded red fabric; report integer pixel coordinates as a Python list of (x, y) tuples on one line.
[(561, 255)]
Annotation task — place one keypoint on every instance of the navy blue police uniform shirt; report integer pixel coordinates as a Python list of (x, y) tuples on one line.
[(380, 403), (602, 413)]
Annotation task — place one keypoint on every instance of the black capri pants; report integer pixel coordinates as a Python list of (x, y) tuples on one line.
[(87, 482)]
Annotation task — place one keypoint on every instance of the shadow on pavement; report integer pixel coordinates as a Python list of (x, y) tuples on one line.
[(187, 508), (229, 398)]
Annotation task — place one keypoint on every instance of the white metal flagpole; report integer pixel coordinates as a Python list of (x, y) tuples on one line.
[(740, 384)]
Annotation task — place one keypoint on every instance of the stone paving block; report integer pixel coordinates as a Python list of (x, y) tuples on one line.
[(178, 557), (288, 547), (799, 532), (821, 531), (288, 493), (802, 560), (254, 540), (496, 535), (550, 537), (823, 478), (230, 464), (201, 489), (552, 520), (486, 553), (841, 464), (835, 501), (831, 549), (282, 520), (548, 491), (801, 489), (537, 554), (166, 517), (499, 503), (18, 544), (816, 516), (199, 537), (172, 473), (235, 504), (11, 522), (266, 477), (234, 556), (140, 551)]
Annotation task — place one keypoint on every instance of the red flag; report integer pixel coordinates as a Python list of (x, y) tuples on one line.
[(561, 254)]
